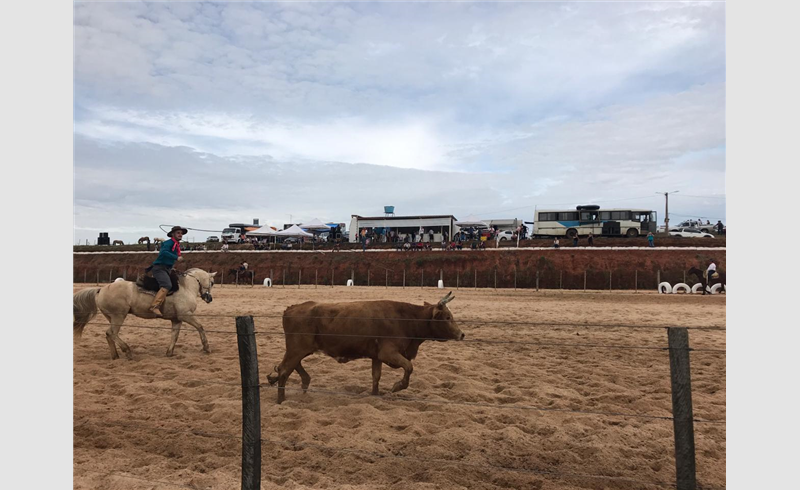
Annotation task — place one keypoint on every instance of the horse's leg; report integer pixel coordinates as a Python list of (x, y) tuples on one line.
[(113, 332), (176, 330), (191, 320), (110, 339)]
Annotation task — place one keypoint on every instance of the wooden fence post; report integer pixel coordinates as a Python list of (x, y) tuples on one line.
[(251, 403), (422, 279), (368, 276), (222, 279), (458, 273), (537, 280), (387, 278), (684, 276), (610, 275), (316, 275), (682, 416), (332, 277), (404, 278), (636, 281), (476, 279), (84, 276), (98, 277), (237, 278), (515, 270), (495, 278), (560, 279), (110, 274), (283, 278), (584, 281), (299, 277), (658, 278)]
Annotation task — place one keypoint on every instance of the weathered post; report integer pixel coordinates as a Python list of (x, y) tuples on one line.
[(682, 415), (636, 281), (110, 275), (222, 279), (610, 275), (125, 274), (251, 404), (515, 270), (332, 277), (658, 278), (98, 277), (476, 279), (537, 280), (84, 276), (353, 276), (684, 276), (495, 278), (560, 279), (316, 275), (237, 278), (368, 276), (584, 281), (404, 278), (422, 279), (299, 277), (387, 278)]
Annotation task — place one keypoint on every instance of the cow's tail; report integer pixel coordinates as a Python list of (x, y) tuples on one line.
[(84, 308)]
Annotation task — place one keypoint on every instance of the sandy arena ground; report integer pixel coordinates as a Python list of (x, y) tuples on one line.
[(158, 422)]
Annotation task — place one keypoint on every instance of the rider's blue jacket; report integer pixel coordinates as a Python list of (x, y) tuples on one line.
[(168, 253)]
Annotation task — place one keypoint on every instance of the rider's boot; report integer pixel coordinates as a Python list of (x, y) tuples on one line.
[(158, 301)]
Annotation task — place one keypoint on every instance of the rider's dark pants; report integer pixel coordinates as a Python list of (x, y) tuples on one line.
[(161, 273)]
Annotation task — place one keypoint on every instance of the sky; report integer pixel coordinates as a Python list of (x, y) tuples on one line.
[(205, 114)]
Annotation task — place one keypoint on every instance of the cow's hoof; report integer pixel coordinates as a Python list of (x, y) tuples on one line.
[(397, 387), (206, 350), (169, 353), (272, 379)]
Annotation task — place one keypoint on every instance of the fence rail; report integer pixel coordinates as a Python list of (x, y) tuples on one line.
[(682, 419)]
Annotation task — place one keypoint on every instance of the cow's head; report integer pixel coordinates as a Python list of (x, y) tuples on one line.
[(444, 327)]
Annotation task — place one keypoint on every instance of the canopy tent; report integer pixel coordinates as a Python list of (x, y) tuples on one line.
[(263, 231), (315, 225), (294, 231), (471, 221)]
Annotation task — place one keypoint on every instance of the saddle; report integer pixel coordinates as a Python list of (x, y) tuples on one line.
[(147, 283), (715, 275)]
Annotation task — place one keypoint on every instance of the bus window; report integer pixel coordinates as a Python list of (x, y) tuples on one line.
[(588, 215), (605, 215)]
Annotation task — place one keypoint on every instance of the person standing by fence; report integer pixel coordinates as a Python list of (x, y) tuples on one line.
[(555, 242), (168, 254), (591, 239), (650, 239)]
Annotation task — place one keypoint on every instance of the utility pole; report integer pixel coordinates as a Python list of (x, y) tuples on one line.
[(666, 209)]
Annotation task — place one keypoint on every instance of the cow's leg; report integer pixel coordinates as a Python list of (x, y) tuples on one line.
[(395, 360), (376, 375), (304, 377), (176, 330), (285, 368)]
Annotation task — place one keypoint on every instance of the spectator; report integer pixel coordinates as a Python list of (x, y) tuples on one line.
[(650, 239), (413, 236), (712, 269), (225, 247), (591, 239), (575, 240), (430, 234), (720, 228), (555, 242), (444, 236)]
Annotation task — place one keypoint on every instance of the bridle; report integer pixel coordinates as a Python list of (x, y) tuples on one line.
[(204, 295)]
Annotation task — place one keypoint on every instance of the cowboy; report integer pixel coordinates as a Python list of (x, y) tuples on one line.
[(168, 254)]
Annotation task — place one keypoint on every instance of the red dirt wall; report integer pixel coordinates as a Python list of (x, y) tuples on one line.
[(561, 268)]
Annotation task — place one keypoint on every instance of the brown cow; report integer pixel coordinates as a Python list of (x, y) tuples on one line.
[(387, 332)]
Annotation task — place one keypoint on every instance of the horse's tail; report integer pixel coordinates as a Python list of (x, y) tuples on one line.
[(84, 308)]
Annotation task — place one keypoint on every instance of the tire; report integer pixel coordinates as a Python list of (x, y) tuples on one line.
[(572, 233), (664, 288), (681, 286), (632, 233), (715, 288), (697, 288), (503, 238)]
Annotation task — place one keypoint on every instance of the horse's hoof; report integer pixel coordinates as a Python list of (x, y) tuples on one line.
[(169, 353)]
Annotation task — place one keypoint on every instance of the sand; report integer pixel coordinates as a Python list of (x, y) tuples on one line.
[(471, 407)]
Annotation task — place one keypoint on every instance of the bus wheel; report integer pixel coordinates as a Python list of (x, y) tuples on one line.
[(632, 233), (572, 233)]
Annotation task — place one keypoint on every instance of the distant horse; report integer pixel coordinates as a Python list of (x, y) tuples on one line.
[(118, 299), (157, 241), (144, 239), (248, 273), (702, 280), (117, 242)]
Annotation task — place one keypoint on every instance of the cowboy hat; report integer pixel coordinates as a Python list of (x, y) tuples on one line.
[(177, 228)]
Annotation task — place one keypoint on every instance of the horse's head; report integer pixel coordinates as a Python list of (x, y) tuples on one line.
[(205, 281)]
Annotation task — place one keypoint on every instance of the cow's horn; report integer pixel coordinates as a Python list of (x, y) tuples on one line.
[(446, 299)]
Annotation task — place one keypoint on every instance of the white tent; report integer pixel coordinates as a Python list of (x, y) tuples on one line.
[(315, 225), (295, 231), (262, 232), (471, 221)]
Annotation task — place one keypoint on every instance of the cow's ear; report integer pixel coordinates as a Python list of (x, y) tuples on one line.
[(425, 303)]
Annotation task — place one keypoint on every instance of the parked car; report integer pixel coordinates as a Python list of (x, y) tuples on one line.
[(689, 233), (212, 239), (505, 235), (698, 225)]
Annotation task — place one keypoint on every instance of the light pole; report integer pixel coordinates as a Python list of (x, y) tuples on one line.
[(666, 210)]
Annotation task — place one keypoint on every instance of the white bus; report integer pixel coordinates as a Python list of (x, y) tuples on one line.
[(594, 219)]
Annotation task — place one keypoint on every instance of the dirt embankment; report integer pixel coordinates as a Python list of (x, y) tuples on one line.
[(556, 268)]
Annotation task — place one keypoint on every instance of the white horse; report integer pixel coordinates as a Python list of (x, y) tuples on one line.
[(118, 299)]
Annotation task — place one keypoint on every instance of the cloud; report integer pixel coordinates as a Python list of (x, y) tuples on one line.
[(433, 107)]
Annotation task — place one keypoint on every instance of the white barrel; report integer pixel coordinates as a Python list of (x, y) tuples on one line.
[(349, 282), (697, 288), (441, 284), (664, 288), (267, 282), (119, 279), (715, 289), (681, 286)]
